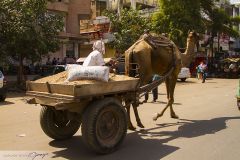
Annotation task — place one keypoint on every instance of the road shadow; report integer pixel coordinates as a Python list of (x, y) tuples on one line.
[(133, 147), (191, 128), (5, 103), (186, 82), (209, 82), (144, 144), (163, 102)]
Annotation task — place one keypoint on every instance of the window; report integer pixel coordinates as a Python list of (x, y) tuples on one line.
[(70, 50)]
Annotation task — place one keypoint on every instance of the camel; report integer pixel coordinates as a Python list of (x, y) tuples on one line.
[(158, 55)]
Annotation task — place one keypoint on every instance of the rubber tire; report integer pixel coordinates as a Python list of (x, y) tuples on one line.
[(89, 125), (183, 79), (2, 98), (50, 128)]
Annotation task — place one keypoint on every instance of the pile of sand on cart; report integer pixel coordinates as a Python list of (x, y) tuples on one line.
[(61, 77)]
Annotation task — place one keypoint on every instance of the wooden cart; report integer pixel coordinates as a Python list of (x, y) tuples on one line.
[(97, 107)]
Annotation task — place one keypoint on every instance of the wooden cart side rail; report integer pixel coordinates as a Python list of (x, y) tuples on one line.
[(85, 90), (72, 98), (50, 88), (51, 95)]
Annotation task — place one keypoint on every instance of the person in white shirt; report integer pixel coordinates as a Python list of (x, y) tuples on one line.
[(95, 58)]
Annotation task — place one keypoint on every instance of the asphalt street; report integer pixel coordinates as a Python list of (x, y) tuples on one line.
[(208, 128)]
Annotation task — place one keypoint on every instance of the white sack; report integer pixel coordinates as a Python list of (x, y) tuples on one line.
[(89, 72), (69, 66)]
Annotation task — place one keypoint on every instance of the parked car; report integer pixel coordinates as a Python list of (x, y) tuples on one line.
[(3, 90), (184, 74)]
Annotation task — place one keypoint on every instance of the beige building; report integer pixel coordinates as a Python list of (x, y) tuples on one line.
[(85, 23), (97, 27), (74, 11), (141, 4)]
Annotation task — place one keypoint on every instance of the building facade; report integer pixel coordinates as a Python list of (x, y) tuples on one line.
[(98, 27), (236, 12), (74, 11), (85, 23)]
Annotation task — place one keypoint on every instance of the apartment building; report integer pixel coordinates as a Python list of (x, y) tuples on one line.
[(236, 12), (98, 26), (140, 4), (74, 11)]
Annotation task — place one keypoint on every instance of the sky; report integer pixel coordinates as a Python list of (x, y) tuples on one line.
[(235, 1)]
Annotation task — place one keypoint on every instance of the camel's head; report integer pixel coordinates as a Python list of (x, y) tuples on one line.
[(194, 36)]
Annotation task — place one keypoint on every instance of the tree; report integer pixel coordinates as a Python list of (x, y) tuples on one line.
[(218, 22), (177, 17), (119, 7), (127, 29), (28, 30)]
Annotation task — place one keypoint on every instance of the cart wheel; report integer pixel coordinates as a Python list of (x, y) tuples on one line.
[(56, 125), (104, 125)]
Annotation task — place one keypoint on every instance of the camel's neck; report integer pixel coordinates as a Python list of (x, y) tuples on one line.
[(188, 55)]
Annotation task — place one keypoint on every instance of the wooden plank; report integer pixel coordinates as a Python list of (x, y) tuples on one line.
[(62, 89), (83, 90), (40, 87), (105, 88)]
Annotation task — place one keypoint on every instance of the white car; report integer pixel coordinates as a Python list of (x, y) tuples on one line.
[(184, 74), (3, 90)]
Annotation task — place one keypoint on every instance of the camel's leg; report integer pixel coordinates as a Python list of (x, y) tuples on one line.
[(139, 123), (171, 92), (168, 96), (130, 125)]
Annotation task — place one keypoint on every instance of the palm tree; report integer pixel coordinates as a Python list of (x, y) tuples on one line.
[(217, 20)]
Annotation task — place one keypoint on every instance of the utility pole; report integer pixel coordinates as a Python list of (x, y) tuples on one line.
[(120, 7), (133, 4)]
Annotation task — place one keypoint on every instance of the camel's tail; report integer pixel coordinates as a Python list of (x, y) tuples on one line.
[(130, 65), (128, 61)]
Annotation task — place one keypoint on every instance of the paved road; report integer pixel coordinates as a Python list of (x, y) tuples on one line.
[(208, 128)]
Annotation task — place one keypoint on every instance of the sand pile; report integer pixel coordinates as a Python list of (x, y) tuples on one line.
[(61, 77)]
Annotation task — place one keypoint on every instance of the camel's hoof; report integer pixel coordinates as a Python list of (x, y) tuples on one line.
[(141, 125), (174, 116), (155, 117), (132, 128)]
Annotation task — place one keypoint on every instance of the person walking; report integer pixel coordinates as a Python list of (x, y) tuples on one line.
[(154, 91), (198, 68), (203, 68)]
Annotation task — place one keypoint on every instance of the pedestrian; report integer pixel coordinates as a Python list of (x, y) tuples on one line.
[(58, 61), (203, 69), (199, 75), (48, 61), (154, 91), (54, 61), (95, 58)]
